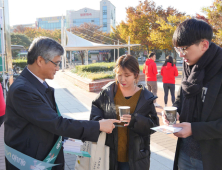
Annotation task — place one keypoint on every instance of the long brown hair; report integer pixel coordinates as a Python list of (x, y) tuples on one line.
[(129, 62)]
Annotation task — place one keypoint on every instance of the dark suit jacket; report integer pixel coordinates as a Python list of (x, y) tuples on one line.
[(32, 125), (207, 132)]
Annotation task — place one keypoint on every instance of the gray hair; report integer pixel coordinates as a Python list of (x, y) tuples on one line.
[(45, 47)]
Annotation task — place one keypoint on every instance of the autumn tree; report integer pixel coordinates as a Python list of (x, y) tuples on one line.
[(162, 36), (141, 20), (37, 32), (198, 16), (19, 29), (214, 15), (115, 35)]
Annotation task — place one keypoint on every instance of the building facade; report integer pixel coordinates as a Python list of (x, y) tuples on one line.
[(105, 17), (50, 23), (85, 15)]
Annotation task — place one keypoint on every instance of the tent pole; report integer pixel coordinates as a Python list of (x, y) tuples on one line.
[(129, 46), (118, 49), (114, 54), (86, 58), (70, 58), (64, 43), (62, 35)]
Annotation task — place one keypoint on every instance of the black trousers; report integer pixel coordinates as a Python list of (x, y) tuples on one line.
[(167, 87), (2, 119)]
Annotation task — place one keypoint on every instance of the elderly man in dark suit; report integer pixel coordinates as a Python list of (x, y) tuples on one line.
[(32, 125)]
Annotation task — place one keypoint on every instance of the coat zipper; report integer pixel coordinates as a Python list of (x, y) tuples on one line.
[(142, 107)]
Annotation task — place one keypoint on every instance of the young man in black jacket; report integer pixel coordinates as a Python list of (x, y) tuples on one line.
[(199, 99)]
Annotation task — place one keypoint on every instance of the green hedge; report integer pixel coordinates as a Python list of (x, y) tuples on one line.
[(95, 67), (97, 71), (97, 75), (141, 68), (19, 62)]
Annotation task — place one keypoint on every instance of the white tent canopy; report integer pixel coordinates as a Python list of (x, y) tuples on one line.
[(17, 47), (76, 43)]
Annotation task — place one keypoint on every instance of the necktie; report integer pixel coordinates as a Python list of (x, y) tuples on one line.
[(44, 83)]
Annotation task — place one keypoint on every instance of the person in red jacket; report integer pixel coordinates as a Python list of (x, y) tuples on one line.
[(150, 71), (169, 72), (2, 106)]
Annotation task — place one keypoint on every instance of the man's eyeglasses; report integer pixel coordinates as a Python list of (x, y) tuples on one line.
[(181, 50), (184, 49), (56, 64)]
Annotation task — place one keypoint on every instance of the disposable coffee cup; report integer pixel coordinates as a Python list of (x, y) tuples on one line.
[(124, 110), (171, 114)]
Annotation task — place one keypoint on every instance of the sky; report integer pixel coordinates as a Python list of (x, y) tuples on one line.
[(26, 11)]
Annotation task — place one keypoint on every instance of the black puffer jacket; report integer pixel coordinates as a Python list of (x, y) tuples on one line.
[(142, 120)]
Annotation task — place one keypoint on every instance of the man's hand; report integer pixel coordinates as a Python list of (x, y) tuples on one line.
[(185, 132), (165, 121), (126, 118), (106, 125)]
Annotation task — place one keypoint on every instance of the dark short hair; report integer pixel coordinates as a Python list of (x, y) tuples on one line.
[(192, 31), (129, 62), (169, 59), (45, 47), (151, 55)]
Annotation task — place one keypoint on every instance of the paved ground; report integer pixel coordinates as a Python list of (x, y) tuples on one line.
[(75, 103)]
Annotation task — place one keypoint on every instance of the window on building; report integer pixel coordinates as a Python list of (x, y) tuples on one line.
[(104, 24), (104, 10)]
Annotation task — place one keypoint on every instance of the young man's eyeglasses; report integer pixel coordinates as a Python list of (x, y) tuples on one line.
[(56, 64), (181, 50)]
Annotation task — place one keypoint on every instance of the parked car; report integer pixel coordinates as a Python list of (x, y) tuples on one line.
[(140, 59)]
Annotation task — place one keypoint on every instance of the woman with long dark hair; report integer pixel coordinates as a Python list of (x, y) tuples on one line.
[(129, 143), (169, 72)]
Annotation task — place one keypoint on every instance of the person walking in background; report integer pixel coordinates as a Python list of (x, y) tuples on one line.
[(150, 71), (2, 106), (129, 144), (169, 72)]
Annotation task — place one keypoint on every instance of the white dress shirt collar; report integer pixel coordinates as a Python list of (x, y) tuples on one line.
[(36, 76)]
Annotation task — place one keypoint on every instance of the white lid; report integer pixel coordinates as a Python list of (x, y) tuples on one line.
[(124, 107), (170, 108)]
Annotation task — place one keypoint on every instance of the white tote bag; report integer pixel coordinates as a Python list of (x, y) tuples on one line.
[(99, 152)]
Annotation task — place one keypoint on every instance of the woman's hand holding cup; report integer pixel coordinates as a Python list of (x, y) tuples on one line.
[(126, 118)]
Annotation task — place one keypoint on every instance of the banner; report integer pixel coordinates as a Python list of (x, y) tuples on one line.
[(23, 161), (26, 162)]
